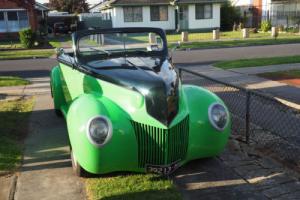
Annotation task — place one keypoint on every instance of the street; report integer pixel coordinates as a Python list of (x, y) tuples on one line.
[(41, 67)]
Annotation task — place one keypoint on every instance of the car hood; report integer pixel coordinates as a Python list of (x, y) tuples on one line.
[(154, 78)]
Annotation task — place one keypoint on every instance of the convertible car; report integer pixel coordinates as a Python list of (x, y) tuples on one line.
[(126, 108)]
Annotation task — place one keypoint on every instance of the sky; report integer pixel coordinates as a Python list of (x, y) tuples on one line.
[(89, 1)]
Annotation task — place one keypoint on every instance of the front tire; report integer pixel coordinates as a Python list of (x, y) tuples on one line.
[(78, 170)]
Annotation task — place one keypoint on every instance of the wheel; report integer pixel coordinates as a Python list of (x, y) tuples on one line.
[(58, 113), (78, 170)]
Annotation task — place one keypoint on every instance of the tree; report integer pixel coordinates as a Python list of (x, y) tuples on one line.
[(229, 16), (70, 6)]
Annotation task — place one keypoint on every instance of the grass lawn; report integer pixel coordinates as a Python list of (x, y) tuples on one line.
[(257, 62), (223, 35), (10, 45), (133, 186), (32, 53), (13, 126), (12, 81), (56, 42)]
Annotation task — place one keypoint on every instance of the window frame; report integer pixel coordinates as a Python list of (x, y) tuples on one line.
[(16, 23), (200, 16), (132, 14), (159, 7)]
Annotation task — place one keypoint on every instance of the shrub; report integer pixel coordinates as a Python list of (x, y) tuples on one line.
[(230, 15), (27, 38), (266, 25)]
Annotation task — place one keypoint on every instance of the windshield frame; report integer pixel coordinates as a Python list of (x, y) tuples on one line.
[(77, 36)]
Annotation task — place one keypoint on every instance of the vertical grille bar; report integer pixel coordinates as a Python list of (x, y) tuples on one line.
[(158, 146)]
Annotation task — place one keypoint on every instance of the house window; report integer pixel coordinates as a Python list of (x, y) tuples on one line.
[(204, 11), (159, 13), (133, 14), (23, 19), (13, 21), (2, 23)]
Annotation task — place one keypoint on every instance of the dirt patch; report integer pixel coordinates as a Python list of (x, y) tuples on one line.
[(294, 82), (291, 77)]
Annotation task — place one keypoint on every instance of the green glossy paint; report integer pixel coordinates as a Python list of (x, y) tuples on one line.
[(81, 97)]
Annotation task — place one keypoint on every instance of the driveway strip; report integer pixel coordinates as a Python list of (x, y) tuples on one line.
[(46, 172)]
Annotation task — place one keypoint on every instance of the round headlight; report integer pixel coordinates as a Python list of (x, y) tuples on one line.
[(99, 130), (218, 116)]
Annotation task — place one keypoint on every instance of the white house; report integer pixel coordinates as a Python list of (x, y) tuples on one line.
[(281, 12), (166, 14)]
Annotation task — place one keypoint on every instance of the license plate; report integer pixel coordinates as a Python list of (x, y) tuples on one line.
[(163, 169)]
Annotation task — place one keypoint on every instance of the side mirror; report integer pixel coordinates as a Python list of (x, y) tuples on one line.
[(59, 51), (174, 49)]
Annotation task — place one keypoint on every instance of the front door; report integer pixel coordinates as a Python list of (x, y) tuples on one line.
[(183, 17)]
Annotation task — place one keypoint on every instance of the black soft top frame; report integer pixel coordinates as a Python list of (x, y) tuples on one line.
[(76, 36)]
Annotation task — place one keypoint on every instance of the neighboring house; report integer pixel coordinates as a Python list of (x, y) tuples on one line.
[(169, 15), (279, 12), (19, 14), (282, 12), (251, 11)]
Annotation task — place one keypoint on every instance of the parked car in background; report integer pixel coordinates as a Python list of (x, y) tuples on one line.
[(60, 28)]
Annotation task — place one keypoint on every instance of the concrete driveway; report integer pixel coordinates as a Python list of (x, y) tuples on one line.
[(46, 172)]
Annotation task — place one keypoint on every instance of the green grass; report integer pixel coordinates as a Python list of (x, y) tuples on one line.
[(193, 37), (56, 42), (10, 45), (20, 54), (237, 43), (223, 35), (257, 62), (13, 128), (291, 74), (134, 186), (12, 81)]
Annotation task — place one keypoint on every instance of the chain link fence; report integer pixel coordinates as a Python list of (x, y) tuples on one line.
[(257, 119)]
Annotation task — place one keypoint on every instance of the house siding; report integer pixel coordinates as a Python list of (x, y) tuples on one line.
[(204, 23), (118, 19)]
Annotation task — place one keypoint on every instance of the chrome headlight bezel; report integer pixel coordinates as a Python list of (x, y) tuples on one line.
[(212, 121), (109, 128)]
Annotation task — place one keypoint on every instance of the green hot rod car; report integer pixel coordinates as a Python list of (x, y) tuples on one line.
[(126, 108)]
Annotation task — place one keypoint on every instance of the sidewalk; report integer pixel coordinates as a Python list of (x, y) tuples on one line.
[(46, 172), (245, 77), (205, 56)]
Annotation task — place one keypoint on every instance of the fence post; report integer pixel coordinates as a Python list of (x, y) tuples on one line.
[(274, 32), (247, 116), (184, 36), (245, 33), (152, 38), (216, 34)]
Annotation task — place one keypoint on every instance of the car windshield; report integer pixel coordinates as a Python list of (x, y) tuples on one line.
[(115, 43)]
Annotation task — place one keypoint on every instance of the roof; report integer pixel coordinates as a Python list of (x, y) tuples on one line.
[(200, 1), (41, 7), (112, 3)]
